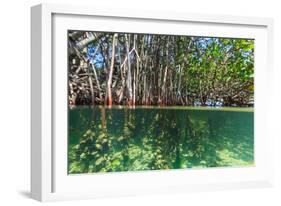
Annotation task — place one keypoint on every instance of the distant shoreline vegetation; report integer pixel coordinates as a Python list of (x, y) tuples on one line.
[(159, 70), (202, 108)]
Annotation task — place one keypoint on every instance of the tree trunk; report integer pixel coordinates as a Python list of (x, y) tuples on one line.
[(129, 75), (164, 83), (97, 80), (109, 81)]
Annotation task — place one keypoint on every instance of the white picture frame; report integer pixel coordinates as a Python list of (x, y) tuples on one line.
[(49, 179)]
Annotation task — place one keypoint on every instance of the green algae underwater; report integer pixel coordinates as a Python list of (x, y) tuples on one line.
[(123, 139)]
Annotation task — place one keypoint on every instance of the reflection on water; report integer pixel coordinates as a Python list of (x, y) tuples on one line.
[(108, 140)]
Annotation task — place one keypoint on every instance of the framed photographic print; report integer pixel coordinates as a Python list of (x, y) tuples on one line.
[(135, 102)]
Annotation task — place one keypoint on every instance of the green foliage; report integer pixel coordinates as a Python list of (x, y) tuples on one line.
[(220, 69)]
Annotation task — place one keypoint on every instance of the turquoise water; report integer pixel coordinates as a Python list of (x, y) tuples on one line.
[(151, 138)]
